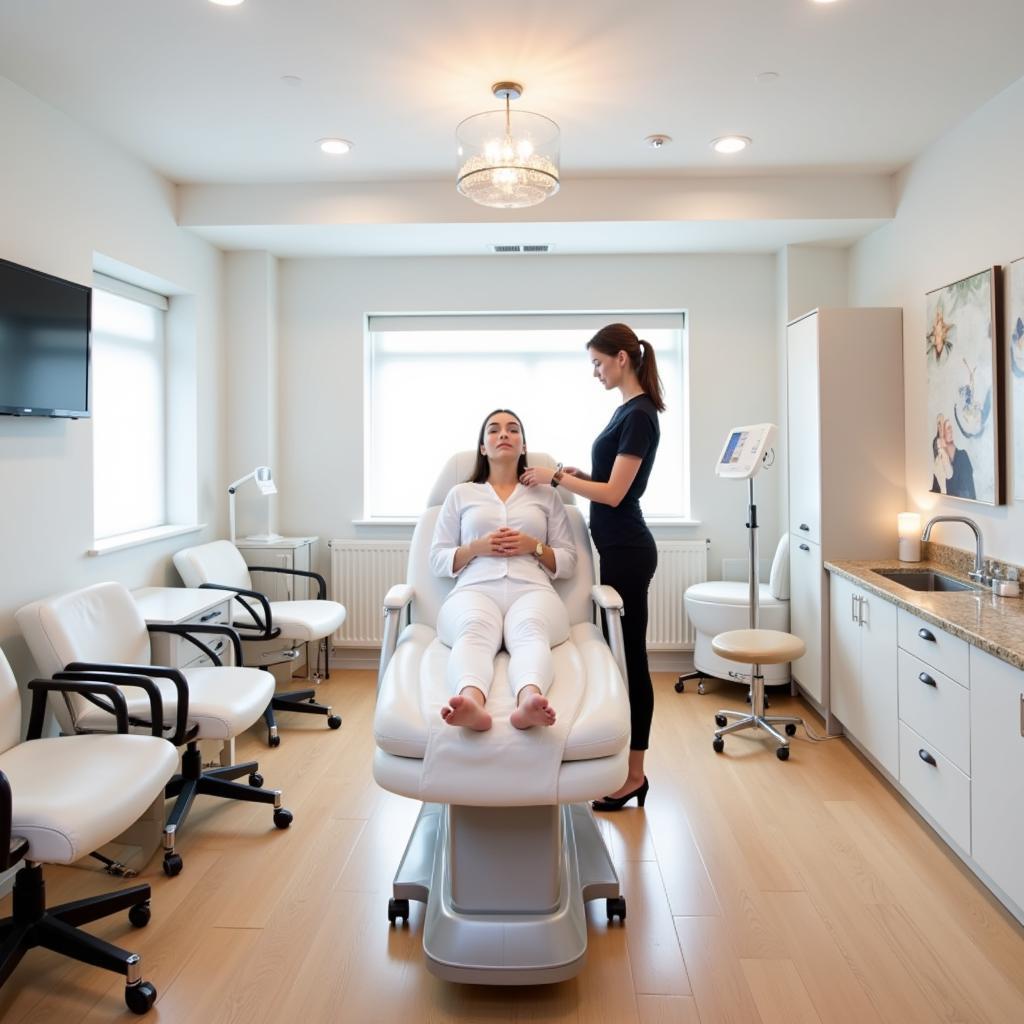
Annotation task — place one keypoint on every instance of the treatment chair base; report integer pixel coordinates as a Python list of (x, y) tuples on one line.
[(57, 929), (530, 930)]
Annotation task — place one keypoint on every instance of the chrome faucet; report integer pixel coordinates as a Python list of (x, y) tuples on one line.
[(979, 561)]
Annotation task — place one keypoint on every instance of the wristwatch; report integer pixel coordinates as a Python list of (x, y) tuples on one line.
[(539, 549), (556, 477)]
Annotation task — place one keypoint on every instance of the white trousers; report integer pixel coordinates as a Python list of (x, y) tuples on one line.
[(474, 619)]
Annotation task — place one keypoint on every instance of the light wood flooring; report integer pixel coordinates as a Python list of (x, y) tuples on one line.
[(758, 893)]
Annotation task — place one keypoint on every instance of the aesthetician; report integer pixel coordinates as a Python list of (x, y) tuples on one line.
[(622, 458)]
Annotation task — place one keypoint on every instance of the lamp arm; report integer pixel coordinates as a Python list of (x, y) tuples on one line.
[(241, 480)]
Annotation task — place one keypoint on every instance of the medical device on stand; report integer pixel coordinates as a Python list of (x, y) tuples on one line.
[(746, 451)]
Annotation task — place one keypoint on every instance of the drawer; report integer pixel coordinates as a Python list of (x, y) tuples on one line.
[(937, 708), (935, 647), (187, 655), (938, 786)]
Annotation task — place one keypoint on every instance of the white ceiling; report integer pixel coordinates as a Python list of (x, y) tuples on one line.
[(196, 91)]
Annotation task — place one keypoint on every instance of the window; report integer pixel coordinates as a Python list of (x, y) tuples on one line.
[(432, 379), (129, 409)]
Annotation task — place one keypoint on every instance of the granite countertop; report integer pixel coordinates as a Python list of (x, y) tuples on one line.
[(993, 624)]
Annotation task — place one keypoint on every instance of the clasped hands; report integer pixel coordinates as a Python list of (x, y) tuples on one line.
[(505, 543)]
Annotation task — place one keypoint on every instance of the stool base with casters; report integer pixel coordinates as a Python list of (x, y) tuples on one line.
[(757, 647)]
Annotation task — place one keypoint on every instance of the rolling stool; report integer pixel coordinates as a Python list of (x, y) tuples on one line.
[(757, 647)]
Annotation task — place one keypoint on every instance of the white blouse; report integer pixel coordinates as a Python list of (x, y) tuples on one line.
[(472, 511)]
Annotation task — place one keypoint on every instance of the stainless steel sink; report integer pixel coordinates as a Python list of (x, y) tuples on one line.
[(927, 580)]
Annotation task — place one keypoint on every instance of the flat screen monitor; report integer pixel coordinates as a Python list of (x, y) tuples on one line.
[(44, 344)]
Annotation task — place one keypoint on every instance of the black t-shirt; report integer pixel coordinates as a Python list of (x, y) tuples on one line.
[(632, 430)]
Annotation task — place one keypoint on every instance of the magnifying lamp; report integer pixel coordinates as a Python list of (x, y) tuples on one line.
[(265, 482)]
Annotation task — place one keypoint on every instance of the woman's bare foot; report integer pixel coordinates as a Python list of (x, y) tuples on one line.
[(466, 712), (534, 710)]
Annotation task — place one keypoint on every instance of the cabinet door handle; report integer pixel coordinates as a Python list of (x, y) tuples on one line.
[(927, 679), (926, 757), (209, 615), (926, 634), (853, 607), (804, 547), (1022, 714), (805, 528)]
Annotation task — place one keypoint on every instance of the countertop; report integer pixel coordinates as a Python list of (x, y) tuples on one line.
[(993, 624)]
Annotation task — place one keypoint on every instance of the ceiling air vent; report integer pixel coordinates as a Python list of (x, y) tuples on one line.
[(544, 247)]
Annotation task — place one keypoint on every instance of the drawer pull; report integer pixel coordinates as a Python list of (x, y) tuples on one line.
[(210, 615), (927, 679), (805, 528), (804, 547), (926, 634), (926, 757)]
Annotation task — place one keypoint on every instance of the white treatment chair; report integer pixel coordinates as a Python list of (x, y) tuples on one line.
[(505, 851)]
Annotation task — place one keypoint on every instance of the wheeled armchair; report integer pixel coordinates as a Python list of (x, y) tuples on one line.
[(60, 799), (98, 632), (219, 565)]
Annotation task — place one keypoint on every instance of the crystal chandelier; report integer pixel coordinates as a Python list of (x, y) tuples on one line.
[(507, 160)]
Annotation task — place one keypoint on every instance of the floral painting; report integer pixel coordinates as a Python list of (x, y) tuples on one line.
[(962, 355), (1016, 325)]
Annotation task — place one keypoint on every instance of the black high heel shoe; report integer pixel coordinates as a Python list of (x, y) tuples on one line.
[(616, 803)]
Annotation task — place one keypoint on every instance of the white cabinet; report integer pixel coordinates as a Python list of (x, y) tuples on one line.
[(286, 553), (863, 663), (845, 453), (997, 772), (806, 584)]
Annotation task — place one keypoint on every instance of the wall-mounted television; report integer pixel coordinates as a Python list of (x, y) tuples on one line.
[(44, 344)]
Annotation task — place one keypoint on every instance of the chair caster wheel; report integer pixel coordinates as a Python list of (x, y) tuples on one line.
[(140, 914), (256, 780), (274, 741), (172, 864), (790, 729), (718, 744), (282, 817), (700, 688), (680, 686), (398, 909), (782, 753), (334, 721), (140, 998), (721, 721), (615, 907)]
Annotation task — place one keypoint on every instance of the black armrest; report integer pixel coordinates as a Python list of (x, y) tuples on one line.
[(41, 688), (120, 679), (187, 630), (266, 627), (181, 729), (10, 852), (320, 581)]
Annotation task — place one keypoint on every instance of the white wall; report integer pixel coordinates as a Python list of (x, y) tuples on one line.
[(960, 210), (67, 195), (730, 299)]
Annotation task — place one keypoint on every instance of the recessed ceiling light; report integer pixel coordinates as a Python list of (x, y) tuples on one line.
[(291, 80), (767, 77), (824, 1), (658, 141), (227, 3), (336, 147), (730, 143)]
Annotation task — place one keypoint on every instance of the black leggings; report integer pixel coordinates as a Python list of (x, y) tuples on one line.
[(629, 571)]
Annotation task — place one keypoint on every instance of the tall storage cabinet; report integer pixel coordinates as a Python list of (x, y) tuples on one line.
[(846, 463)]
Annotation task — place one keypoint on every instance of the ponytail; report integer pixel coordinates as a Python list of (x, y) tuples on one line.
[(616, 338)]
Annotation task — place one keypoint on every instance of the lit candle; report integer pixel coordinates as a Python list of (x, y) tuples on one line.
[(908, 525)]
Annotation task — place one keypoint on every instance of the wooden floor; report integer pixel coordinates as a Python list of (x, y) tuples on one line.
[(758, 893)]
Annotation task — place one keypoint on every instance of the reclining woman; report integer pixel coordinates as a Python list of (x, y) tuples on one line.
[(503, 543)]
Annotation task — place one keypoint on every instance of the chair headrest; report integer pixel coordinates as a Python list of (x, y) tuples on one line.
[(459, 467), (778, 581)]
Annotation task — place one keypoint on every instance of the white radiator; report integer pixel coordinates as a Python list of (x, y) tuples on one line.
[(363, 571), (681, 563)]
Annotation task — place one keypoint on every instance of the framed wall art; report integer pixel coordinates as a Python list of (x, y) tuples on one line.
[(964, 362)]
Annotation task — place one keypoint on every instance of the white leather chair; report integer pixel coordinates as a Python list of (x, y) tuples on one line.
[(219, 565), (59, 800), (504, 852), (100, 631), (719, 606)]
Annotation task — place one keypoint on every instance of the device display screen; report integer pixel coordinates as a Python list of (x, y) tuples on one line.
[(734, 448)]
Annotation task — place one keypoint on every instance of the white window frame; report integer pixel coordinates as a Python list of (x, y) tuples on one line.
[(539, 318)]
